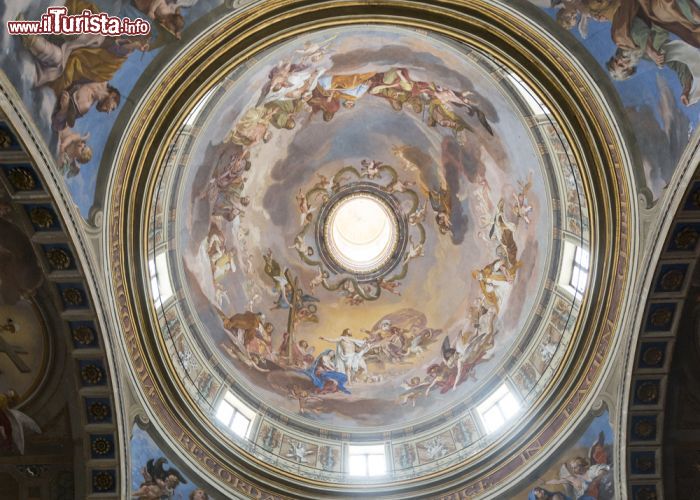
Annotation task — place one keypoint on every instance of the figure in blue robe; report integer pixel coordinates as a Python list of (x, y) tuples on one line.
[(320, 375)]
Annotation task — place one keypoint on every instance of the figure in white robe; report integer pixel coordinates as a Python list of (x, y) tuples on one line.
[(295, 85), (345, 352)]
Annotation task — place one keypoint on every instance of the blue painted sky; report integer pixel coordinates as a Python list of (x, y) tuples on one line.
[(641, 88), (590, 436), (100, 125)]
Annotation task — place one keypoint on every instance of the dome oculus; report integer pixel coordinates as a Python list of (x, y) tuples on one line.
[(361, 233)]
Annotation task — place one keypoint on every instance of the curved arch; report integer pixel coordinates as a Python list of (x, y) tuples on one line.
[(77, 289), (649, 351)]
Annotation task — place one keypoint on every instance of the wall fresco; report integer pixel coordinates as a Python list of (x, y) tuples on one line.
[(153, 477), (582, 471), (75, 87), (649, 50)]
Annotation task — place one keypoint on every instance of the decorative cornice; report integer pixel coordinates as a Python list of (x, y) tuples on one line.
[(570, 95)]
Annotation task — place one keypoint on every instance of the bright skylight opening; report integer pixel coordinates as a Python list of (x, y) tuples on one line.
[(366, 461), (225, 413), (192, 117), (579, 271), (362, 232), (531, 99), (498, 408), (154, 289), (235, 415), (160, 279), (240, 425)]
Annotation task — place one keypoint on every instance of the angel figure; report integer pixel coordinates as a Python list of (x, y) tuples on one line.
[(370, 168), (302, 354), (569, 16), (158, 482), (199, 494), (460, 360), (73, 150), (290, 82), (313, 51), (521, 206), (399, 186), (442, 205), (323, 183), (281, 286), (250, 339), (352, 296), (303, 397), (354, 299), (247, 259), (437, 375), (578, 13), (411, 157), (481, 316), (418, 215), (301, 247), (222, 260), (390, 286), (421, 340), (306, 313), (305, 209), (414, 251), (14, 423), (319, 279), (413, 388), (221, 295), (167, 12), (588, 477), (503, 231), (448, 97), (272, 268), (252, 127), (472, 348)]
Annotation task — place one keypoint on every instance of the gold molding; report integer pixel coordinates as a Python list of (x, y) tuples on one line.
[(506, 38)]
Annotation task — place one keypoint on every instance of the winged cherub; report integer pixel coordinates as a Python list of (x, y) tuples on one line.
[(418, 216), (521, 206), (158, 482), (370, 168), (415, 250), (305, 209)]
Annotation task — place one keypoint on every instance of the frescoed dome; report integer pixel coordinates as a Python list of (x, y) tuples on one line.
[(363, 235), (370, 240), (349, 249)]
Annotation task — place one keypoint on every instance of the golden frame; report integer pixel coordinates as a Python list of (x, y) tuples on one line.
[(507, 37)]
